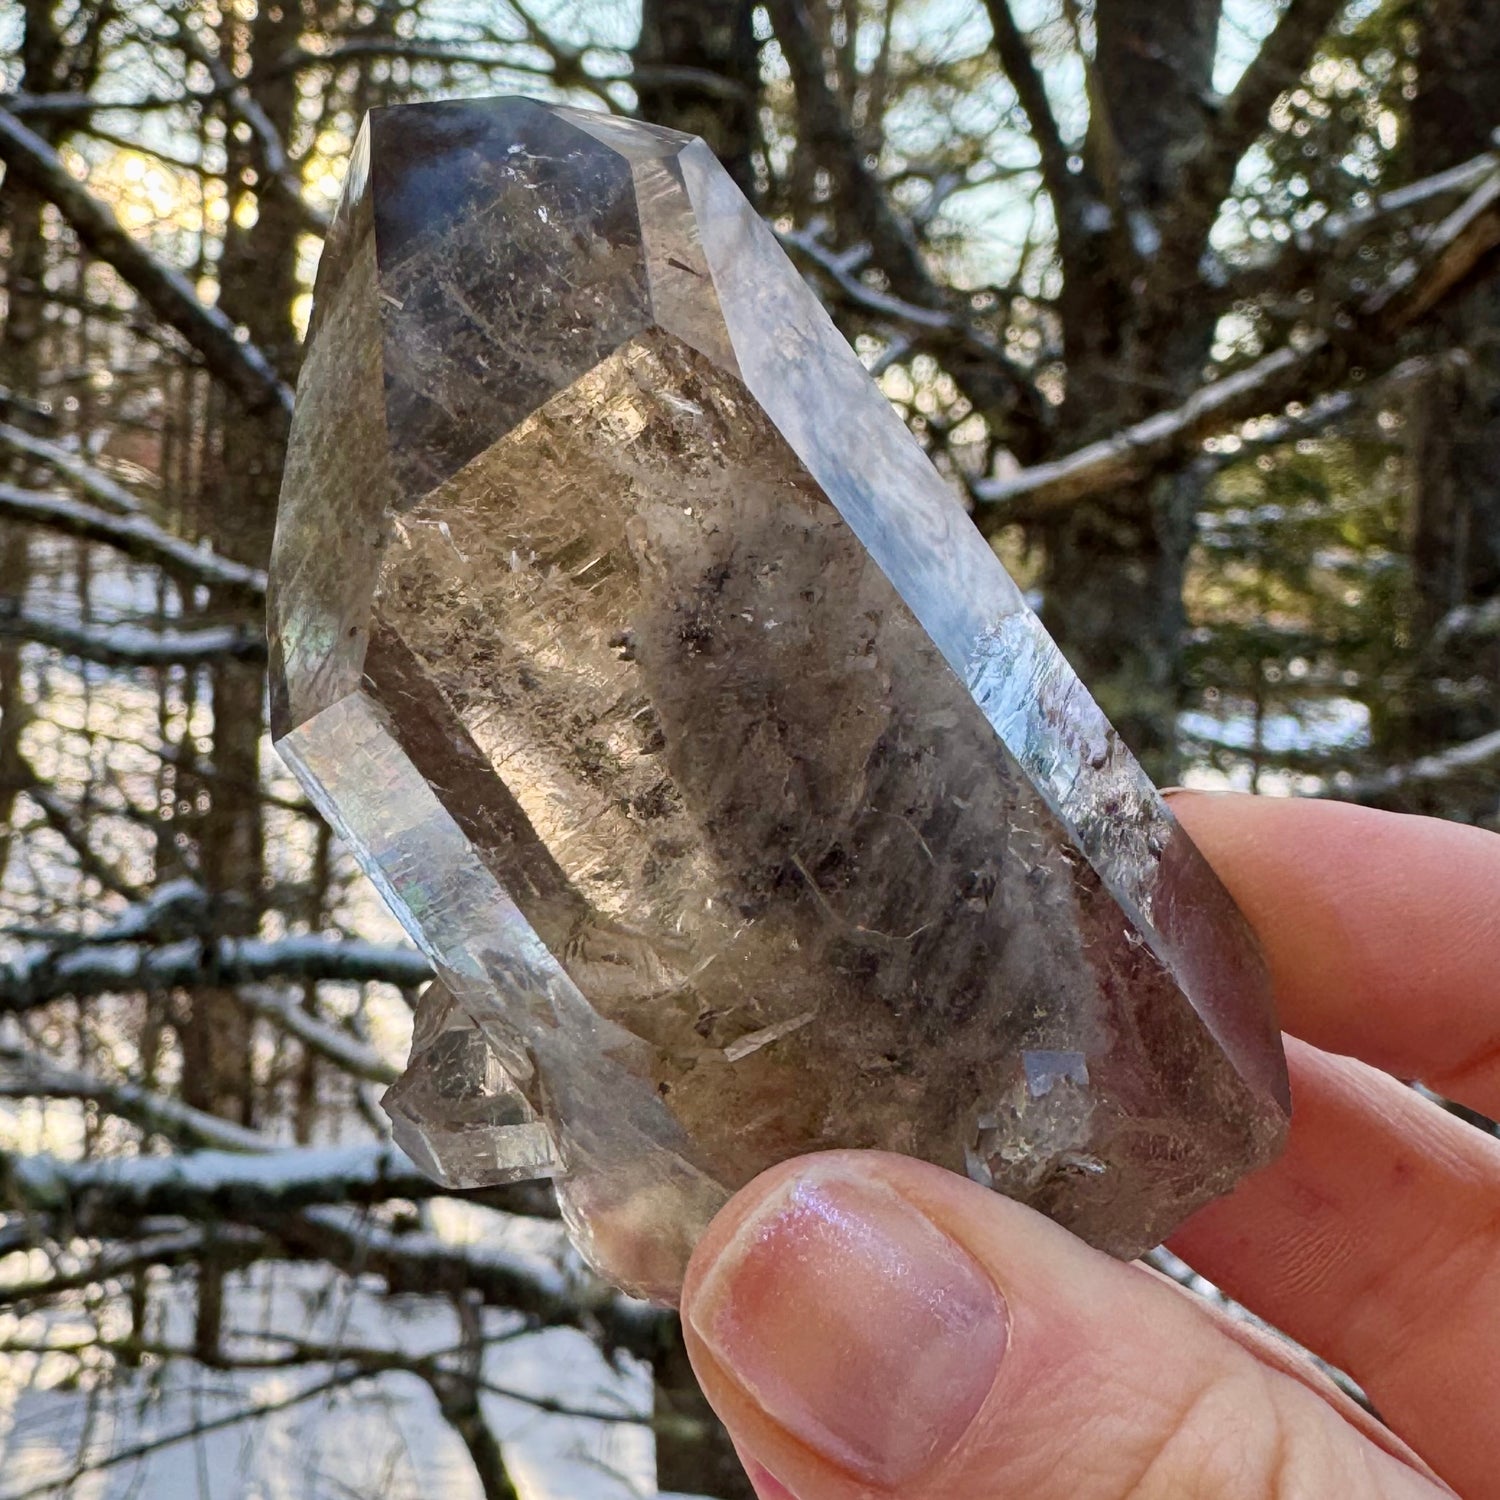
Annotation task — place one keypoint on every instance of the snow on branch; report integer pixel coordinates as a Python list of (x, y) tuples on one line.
[(329, 1041), (841, 268), (212, 1184), (1445, 257), (43, 973), (136, 536), (28, 1074), (128, 645), (107, 1195), (1468, 621), (164, 289), (1366, 334), (1128, 455), (97, 485), (1445, 765), (1338, 236)]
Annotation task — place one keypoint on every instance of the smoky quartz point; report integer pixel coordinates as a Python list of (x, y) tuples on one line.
[(678, 710)]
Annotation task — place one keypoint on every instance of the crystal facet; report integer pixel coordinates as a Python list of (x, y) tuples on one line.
[(690, 727)]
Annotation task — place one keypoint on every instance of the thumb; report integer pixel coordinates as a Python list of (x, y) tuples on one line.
[(871, 1325)]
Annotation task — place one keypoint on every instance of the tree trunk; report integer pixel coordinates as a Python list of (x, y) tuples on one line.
[(1453, 429), (257, 287), (1112, 584), (19, 339), (21, 220), (716, 40), (1113, 600)]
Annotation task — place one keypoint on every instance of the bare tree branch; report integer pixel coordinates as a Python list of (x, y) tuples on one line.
[(666, 75), (299, 1353), (132, 1451), (544, 1295), (827, 132), (136, 536), (14, 404), (64, 109), (1064, 186), (423, 1263), (60, 818), (368, 48), (1278, 66), (271, 153), (994, 385), (154, 1245), (241, 366)]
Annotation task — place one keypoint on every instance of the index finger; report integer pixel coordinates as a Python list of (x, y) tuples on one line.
[(1382, 930)]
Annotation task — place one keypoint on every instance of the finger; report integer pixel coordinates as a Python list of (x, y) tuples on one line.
[(872, 1325), (1382, 931), (1375, 1242)]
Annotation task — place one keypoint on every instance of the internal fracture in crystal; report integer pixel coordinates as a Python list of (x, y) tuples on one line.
[(689, 726)]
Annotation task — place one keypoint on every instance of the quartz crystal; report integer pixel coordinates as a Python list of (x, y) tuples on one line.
[(692, 730)]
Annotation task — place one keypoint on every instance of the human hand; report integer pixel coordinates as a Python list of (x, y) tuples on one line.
[(869, 1325)]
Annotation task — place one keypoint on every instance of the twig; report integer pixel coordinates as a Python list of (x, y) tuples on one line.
[(1067, 189), (272, 158)]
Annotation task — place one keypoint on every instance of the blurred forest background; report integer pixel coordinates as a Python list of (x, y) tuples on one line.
[(1195, 302)]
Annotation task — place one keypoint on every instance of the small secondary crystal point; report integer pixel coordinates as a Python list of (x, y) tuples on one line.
[(687, 723)]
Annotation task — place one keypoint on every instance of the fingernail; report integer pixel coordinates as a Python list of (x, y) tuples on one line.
[(854, 1323)]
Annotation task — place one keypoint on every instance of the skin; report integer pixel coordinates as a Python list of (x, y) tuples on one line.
[(1063, 1375)]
